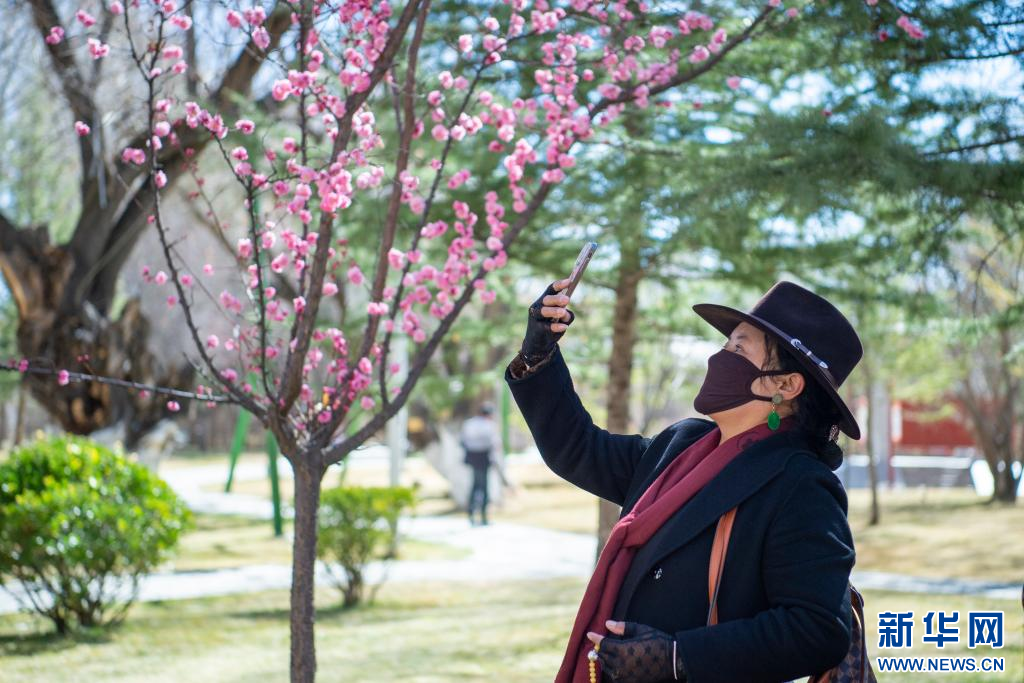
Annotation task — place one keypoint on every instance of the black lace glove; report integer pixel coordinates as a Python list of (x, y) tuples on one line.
[(642, 654), (539, 341)]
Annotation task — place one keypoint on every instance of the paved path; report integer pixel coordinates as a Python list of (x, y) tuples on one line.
[(498, 551)]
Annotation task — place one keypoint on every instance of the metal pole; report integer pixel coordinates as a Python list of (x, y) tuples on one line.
[(275, 489), (241, 429)]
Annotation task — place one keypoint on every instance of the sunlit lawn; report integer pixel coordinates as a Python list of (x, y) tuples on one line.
[(927, 532), (424, 632), (220, 542)]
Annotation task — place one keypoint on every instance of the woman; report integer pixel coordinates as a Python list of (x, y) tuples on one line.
[(769, 449)]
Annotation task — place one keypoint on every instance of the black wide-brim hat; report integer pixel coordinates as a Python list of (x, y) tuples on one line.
[(810, 328)]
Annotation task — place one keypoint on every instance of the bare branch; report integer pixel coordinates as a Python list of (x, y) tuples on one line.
[(101, 379), (76, 90)]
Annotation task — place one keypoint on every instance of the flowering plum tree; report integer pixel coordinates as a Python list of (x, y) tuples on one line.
[(364, 100)]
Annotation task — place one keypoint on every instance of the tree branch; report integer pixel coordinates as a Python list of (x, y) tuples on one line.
[(76, 90)]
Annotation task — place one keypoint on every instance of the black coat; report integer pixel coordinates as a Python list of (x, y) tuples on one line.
[(783, 608)]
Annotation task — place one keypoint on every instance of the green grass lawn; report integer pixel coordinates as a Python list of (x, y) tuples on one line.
[(434, 633), (221, 542)]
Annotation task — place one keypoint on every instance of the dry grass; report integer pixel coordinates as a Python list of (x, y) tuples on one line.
[(425, 633), (940, 532)]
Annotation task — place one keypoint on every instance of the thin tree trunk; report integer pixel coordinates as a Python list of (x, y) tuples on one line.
[(19, 420), (307, 501), (874, 517), (620, 367)]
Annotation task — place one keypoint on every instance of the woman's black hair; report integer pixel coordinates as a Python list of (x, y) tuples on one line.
[(815, 412)]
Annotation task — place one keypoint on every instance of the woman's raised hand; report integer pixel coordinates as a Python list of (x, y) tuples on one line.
[(547, 320)]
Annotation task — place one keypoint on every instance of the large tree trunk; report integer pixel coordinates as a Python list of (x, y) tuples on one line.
[(81, 338), (993, 412), (308, 476), (64, 293), (620, 367)]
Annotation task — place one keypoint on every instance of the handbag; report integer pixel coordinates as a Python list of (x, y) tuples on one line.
[(856, 665)]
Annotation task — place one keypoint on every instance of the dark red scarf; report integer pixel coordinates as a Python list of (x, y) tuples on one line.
[(680, 481)]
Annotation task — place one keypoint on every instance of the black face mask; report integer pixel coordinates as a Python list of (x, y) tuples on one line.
[(727, 383)]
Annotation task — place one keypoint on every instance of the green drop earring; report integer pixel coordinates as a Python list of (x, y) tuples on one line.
[(773, 417)]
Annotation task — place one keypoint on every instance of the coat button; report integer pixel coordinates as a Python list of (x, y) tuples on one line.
[(657, 574)]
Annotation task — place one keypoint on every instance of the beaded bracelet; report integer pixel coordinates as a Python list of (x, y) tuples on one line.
[(592, 662)]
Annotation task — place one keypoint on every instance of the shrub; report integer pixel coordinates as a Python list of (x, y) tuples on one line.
[(79, 527), (357, 525)]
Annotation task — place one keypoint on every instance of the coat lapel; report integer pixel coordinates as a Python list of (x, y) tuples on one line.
[(681, 439), (740, 479)]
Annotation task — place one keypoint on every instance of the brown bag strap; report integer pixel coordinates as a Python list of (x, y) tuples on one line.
[(718, 548)]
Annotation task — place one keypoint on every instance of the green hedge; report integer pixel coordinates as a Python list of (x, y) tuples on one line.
[(357, 525), (79, 527)]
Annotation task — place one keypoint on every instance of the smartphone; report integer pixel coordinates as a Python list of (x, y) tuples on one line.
[(586, 253)]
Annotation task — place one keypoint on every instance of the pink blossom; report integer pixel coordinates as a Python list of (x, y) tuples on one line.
[(84, 18), (228, 374), (23, 365), (330, 289), (133, 155), (172, 301), (182, 21), (160, 179), (396, 258), (466, 42), (299, 303), (240, 154), (366, 403), (355, 276), (324, 416), (172, 52), (55, 35), (208, 269), (912, 29), (160, 278), (63, 378), (255, 15), (116, 8), (234, 19), (778, 3), (446, 79), (173, 406), (365, 366), (733, 82), (792, 12), (81, 128), (699, 54), (279, 263), (98, 49), (245, 125), (244, 248), (212, 342), (488, 296), (376, 308), (261, 38), (281, 90), (186, 280)]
